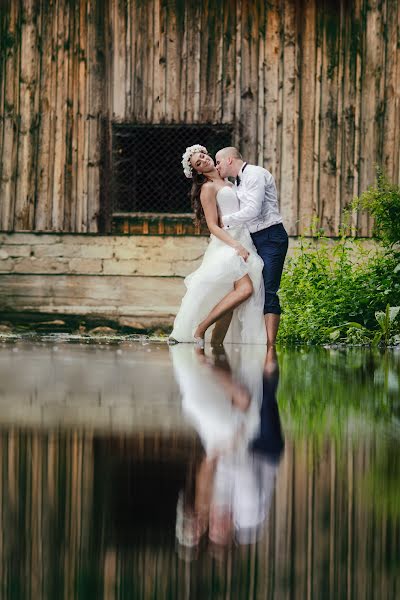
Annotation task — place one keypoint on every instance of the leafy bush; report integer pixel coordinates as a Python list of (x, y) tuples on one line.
[(323, 289), (382, 201), (343, 295)]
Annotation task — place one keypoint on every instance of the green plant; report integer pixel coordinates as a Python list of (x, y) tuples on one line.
[(382, 202), (386, 321), (332, 294)]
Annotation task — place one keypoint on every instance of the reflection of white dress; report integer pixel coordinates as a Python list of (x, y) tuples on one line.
[(220, 268), (244, 482)]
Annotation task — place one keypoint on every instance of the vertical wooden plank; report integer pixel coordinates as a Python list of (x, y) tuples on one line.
[(149, 16), (290, 115), (317, 117), (271, 89), (43, 202), (237, 133), (25, 189), (358, 12), (348, 66), (140, 63), (130, 27), (396, 165), (207, 60), (81, 183), (119, 62), (370, 102), (70, 74), (197, 59), (96, 100), (4, 16), (173, 34), (391, 145), (219, 57), (329, 116), (58, 197), (260, 84), (158, 57), (249, 81), (338, 206), (228, 62), (10, 108), (307, 97), (73, 98)]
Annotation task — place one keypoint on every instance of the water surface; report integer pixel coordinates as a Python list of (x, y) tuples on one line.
[(141, 471)]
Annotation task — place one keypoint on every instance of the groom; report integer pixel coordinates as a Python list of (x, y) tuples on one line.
[(259, 210)]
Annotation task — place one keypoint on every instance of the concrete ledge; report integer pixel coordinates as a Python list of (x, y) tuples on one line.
[(141, 302), (134, 280)]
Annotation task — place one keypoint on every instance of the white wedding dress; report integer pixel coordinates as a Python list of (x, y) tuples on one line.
[(220, 268)]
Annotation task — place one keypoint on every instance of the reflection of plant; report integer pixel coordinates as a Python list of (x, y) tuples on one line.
[(382, 484), (321, 389)]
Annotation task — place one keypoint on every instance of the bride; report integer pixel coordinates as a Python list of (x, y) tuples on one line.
[(227, 288)]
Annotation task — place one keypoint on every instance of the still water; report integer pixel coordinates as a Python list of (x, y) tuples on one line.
[(144, 471)]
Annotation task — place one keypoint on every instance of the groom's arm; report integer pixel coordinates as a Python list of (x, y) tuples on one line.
[(255, 193)]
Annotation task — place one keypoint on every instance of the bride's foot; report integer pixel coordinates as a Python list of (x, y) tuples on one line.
[(199, 342), (198, 337)]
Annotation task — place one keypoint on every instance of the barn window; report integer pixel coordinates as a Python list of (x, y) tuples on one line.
[(148, 192)]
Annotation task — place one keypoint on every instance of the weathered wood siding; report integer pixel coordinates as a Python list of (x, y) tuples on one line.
[(312, 89)]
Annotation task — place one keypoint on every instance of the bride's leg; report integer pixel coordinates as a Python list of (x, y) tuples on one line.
[(243, 289), (220, 329)]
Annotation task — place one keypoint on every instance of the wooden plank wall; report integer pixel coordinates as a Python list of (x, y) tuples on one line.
[(311, 87), (322, 536), (52, 98)]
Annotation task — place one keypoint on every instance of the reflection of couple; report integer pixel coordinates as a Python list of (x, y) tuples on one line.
[(236, 415), (238, 280)]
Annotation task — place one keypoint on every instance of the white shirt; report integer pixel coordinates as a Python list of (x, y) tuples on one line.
[(258, 200)]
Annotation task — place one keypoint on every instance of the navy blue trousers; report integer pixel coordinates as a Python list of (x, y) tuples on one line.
[(272, 244)]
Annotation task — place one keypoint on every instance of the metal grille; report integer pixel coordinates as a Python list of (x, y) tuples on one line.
[(146, 171)]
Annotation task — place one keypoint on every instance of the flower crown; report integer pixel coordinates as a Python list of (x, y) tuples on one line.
[(187, 167)]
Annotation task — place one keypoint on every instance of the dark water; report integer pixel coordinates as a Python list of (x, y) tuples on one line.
[(147, 472)]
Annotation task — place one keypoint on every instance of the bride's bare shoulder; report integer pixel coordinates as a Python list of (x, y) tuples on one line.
[(208, 191)]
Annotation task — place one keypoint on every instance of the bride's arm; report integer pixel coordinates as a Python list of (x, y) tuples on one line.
[(209, 204)]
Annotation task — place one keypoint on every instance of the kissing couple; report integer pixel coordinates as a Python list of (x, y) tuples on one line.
[(236, 285)]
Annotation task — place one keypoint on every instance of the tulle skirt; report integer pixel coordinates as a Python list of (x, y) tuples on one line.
[(220, 269)]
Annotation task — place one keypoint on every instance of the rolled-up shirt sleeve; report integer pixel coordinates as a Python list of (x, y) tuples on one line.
[(255, 192)]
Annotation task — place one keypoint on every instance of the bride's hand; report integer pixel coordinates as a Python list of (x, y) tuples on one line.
[(241, 250)]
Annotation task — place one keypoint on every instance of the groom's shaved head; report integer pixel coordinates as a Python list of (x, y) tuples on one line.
[(228, 161), (229, 151)]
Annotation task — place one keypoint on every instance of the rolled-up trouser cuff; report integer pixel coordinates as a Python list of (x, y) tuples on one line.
[(272, 310)]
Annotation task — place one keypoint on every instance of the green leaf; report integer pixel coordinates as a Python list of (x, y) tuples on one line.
[(334, 335), (393, 312), (381, 318), (354, 324), (377, 338)]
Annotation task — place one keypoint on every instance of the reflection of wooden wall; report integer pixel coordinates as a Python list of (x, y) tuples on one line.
[(321, 536), (312, 89)]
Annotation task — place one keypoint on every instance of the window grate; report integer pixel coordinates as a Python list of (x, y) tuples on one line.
[(146, 172)]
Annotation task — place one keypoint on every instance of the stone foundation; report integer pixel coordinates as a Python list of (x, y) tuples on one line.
[(136, 281)]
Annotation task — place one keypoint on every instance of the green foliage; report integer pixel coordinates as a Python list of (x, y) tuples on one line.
[(386, 321), (338, 295), (382, 201), (322, 390)]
